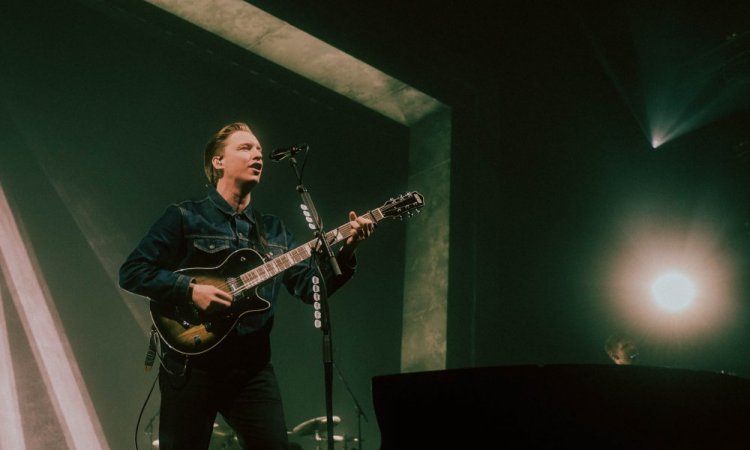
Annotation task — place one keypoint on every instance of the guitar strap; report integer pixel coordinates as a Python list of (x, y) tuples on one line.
[(260, 233)]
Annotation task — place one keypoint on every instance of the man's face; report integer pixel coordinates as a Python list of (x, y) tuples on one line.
[(242, 159)]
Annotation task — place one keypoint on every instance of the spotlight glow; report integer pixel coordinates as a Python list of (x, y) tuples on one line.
[(672, 278), (673, 291), (657, 138)]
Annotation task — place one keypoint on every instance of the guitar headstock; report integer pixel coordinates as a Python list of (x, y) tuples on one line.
[(404, 205)]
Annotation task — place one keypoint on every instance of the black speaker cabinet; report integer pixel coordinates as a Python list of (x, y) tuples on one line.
[(563, 406)]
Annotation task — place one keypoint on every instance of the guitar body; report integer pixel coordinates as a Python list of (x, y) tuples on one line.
[(190, 331)]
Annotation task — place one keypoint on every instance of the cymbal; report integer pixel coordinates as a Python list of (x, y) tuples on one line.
[(336, 438), (314, 425)]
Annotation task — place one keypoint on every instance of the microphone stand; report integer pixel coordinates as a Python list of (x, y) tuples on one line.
[(360, 414), (316, 224)]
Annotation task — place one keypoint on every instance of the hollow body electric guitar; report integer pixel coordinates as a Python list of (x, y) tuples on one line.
[(190, 331)]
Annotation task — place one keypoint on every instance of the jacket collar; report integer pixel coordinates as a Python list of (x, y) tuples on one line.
[(222, 205)]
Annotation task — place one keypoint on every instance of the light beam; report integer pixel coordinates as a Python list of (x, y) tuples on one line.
[(51, 349), (11, 428)]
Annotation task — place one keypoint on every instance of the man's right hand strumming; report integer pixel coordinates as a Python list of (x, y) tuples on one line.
[(209, 298)]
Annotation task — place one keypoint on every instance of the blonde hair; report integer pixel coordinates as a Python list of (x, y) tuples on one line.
[(215, 147)]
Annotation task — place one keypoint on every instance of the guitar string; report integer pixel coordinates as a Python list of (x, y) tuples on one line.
[(344, 230), (244, 285)]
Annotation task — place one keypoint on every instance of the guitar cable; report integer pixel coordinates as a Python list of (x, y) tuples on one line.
[(148, 364), (143, 408), (151, 355), (151, 352)]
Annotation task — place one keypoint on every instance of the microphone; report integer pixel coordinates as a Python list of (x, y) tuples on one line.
[(281, 154)]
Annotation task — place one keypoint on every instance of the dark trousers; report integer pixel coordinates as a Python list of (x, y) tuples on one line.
[(248, 398)]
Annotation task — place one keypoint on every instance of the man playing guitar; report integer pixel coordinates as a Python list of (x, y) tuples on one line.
[(223, 365)]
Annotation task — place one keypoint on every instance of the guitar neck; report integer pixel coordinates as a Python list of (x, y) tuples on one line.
[(293, 257)]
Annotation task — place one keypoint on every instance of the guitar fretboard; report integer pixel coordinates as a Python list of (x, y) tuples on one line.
[(281, 263)]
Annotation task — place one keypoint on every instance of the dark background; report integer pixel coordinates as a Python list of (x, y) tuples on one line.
[(107, 105)]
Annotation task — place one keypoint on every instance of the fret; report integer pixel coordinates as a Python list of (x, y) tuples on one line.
[(289, 260), (249, 278), (263, 272), (302, 253)]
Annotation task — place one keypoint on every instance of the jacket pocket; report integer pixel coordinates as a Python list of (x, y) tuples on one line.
[(211, 245)]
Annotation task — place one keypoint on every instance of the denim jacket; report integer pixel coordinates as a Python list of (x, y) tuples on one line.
[(203, 234)]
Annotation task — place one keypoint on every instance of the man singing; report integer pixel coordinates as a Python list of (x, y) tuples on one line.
[(235, 378)]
